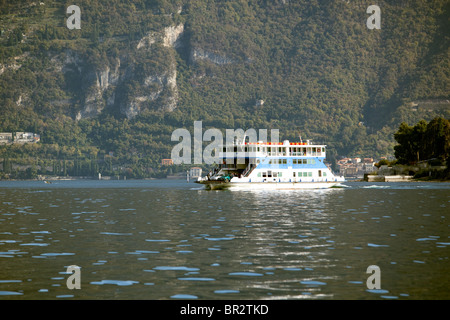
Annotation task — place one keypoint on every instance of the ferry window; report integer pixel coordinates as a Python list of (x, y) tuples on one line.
[(304, 161), (264, 174), (309, 174), (294, 161), (305, 174), (257, 149), (324, 174), (259, 175), (294, 174), (280, 174), (284, 161), (275, 174), (269, 174)]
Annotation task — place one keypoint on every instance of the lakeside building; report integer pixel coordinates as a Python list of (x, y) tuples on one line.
[(167, 162), (356, 167), (6, 137), (195, 172), (27, 137), (19, 137)]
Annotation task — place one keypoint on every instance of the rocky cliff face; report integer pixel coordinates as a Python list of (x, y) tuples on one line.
[(157, 85), (127, 84), (96, 95), (198, 54), (103, 86)]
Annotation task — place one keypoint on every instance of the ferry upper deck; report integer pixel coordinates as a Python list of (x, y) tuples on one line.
[(273, 149)]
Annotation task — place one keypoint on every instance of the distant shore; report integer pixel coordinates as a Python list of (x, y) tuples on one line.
[(370, 178)]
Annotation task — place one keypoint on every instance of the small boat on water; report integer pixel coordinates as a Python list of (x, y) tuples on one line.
[(271, 165)]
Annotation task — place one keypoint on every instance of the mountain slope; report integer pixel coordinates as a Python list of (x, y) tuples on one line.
[(137, 70)]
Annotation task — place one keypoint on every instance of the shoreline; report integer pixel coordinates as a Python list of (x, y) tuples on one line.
[(379, 179)]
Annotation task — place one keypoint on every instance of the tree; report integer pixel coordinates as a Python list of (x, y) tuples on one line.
[(404, 150), (418, 140), (7, 167), (424, 141), (437, 138)]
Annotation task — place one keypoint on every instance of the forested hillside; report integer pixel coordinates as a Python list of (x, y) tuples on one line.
[(108, 96)]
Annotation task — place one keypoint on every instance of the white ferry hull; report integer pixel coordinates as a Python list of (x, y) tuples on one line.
[(273, 185), (282, 185)]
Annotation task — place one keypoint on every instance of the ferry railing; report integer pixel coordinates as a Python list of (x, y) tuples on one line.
[(249, 170)]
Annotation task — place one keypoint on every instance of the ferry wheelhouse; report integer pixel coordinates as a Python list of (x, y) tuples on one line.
[(271, 165)]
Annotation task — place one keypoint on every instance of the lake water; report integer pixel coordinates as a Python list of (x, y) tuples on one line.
[(168, 239)]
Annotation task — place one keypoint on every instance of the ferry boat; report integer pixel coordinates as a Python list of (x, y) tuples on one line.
[(272, 165)]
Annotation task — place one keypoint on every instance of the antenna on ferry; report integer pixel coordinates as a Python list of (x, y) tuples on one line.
[(300, 138)]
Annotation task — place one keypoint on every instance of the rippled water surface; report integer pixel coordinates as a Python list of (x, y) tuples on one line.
[(166, 239)]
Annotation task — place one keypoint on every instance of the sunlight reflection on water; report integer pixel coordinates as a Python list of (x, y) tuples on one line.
[(172, 240)]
